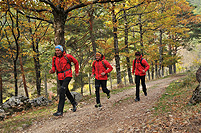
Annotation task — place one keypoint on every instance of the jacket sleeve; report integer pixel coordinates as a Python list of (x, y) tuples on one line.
[(72, 59), (93, 67), (53, 64), (133, 67), (107, 64), (144, 62)]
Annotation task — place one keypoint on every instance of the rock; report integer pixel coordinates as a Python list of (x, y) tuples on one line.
[(20, 103), (2, 114), (77, 96), (198, 75), (19, 129), (25, 126), (196, 97), (39, 101), (16, 103)]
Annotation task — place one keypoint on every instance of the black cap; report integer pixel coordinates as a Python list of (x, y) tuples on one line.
[(137, 53)]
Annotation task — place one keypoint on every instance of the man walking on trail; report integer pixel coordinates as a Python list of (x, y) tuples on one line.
[(99, 69), (140, 66), (61, 63)]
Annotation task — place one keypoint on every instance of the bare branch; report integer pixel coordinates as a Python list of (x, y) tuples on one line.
[(28, 16)]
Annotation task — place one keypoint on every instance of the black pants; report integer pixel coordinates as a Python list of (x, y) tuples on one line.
[(103, 84), (64, 91), (137, 82)]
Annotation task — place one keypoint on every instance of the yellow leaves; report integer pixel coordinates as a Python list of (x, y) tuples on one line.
[(109, 23)]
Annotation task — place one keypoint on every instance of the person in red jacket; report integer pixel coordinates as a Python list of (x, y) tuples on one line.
[(140, 66), (61, 64), (99, 69)]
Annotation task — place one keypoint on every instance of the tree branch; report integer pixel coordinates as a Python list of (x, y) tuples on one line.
[(49, 21), (89, 3)]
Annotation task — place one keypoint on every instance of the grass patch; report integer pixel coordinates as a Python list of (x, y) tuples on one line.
[(118, 90), (26, 118), (172, 112)]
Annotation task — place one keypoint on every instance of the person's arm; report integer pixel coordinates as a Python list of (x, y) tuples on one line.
[(93, 69), (107, 64), (51, 71), (144, 62), (72, 59), (133, 69)]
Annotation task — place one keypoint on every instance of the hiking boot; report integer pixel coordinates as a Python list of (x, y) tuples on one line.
[(137, 99), (145, 93), (58, 114), (98, 105), (108, 96), (74, 107)]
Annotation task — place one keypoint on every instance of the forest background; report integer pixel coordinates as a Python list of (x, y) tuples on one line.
[(167, 32)]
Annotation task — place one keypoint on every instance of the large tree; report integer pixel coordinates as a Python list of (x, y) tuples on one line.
[(56, 12)]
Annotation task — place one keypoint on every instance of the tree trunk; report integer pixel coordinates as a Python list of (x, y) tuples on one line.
[(16, 37), (126, 49), (59, 23), (15, 77), (170, 54), (1, 89), (116, 49), (38, 77), (149, 77), (152, 70), (156, 69), (160, 54), (23, 77), (141, 33), (36, 60), (174, 68), (91, 18)]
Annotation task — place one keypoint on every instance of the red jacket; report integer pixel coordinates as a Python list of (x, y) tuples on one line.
[(98, 68), (63, 67), (138, 67)]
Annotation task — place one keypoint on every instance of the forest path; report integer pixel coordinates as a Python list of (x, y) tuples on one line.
[(120, 113)]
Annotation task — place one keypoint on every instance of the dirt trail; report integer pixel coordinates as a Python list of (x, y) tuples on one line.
[(119, 113)]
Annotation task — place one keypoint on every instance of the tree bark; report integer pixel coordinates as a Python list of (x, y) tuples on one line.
[(160, 53), (156, 69), (126, 48), (1, 89), (91, 18), (116, 49), (16, 37), (59, 23), (35, 48), (141, 33), (38, 76), (170, 54), (152, 70), (23, 77)]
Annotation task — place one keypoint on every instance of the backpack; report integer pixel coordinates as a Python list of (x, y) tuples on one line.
[(68, 61), (103, 65), (140, 63)]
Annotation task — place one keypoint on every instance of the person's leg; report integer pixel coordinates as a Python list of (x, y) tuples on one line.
[(143, 85), (63, 92), (61, 100), (137, 82), (104, 88), (68, 94), (97, 87)]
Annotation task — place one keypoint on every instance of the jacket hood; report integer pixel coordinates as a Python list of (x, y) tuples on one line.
[(64, 53), (103, 57)]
